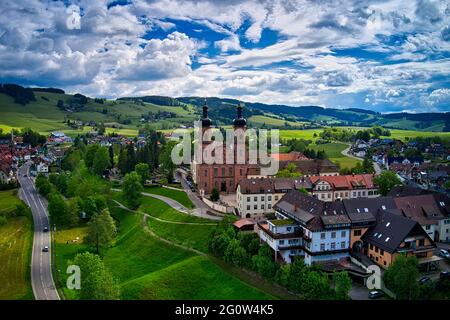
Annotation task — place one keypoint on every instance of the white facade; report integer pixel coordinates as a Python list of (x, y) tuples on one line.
[(42, 168), (444, 230), (256, 205), (324, 192), (313, 246)]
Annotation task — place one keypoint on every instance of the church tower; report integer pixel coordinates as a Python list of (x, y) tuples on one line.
[(239, 121)]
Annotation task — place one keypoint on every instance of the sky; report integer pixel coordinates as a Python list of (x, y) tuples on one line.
[(385, 56)]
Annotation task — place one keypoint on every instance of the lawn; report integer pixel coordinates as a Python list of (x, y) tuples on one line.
[(66, 247), (148, 268), (196, 278), (159, 209), (333, 151), (177, 195), (193, 236), (16, 239)]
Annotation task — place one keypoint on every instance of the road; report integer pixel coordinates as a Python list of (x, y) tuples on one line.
[(200, 207), (41, 270), (346, 152)]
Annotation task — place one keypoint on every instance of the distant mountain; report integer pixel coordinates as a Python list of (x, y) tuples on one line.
[(55, 104), (321, 115)]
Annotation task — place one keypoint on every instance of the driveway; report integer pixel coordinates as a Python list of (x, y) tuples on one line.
[(359, 292)]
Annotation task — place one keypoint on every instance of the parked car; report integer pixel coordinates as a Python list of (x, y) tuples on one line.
[(444, 253), (45, 249), (424, 280), (444, 275), (45, 229), (375, 294)]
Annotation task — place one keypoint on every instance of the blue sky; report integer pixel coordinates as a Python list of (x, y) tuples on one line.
[(386, 56)]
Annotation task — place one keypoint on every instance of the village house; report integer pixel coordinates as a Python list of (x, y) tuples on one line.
[(367, 229), (393, 235), (256, 197)]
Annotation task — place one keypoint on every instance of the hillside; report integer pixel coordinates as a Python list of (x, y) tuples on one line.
[(49, 109)]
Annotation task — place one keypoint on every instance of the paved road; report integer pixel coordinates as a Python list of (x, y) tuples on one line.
[(346, 152), (200, 207), (41, 271)]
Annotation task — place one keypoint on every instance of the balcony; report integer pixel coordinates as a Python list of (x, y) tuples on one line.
[(264, 226)]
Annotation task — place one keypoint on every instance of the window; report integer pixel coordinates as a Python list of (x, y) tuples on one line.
[(269, 198), (206, 185), (342, 244), (255, 207), (288, 229), (206, 173), (322, 247), (381, 251), (371, 247), (329, 195), (241, 172), (262, 207), (215, 172), (262, 198), (281, 241), (343, 234), (230, 171), (248, 207), (248, 199), (333, 245), (223, 172), (376, 249), (269, 206), (357, 232), (421, 242), (322, 235), (333, 235), (255, 198), (428, 227), (276, 198)]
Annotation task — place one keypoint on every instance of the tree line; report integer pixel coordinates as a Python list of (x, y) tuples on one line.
[(244, 250)]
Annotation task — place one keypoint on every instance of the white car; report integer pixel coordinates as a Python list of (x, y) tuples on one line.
[(444, 254)]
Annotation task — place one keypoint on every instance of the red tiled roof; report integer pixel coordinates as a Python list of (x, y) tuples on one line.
[(291, 156), (346, 181)]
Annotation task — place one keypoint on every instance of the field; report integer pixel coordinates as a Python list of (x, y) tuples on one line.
[(148, 268), (16, 238), (177, 195), (44, 116), (258, 121), (333, 151)]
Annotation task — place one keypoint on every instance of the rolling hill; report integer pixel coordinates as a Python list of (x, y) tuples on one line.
[(49, 109)]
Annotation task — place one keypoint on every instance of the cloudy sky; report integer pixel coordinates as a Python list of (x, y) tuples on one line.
[(381, 55)]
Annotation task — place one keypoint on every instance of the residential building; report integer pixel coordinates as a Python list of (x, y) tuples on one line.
[(393, 235), (321, 167), (362, 214), (315, 230), (330, 188), (427, 211), (256, 197)]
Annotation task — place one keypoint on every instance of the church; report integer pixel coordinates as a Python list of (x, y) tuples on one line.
[(223, 177)]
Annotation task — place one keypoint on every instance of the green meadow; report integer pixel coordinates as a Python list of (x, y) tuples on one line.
[(16, 239), (177, 195), (149, 268)]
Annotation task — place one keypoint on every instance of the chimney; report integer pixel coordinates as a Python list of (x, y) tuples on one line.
[(295, 207)]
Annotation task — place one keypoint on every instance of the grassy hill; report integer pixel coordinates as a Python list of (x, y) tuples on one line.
[(149, 268), (124, 115), (44, 115)]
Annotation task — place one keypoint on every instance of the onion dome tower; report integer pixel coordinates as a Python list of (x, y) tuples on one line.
[(240, 121), (206, 121)]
